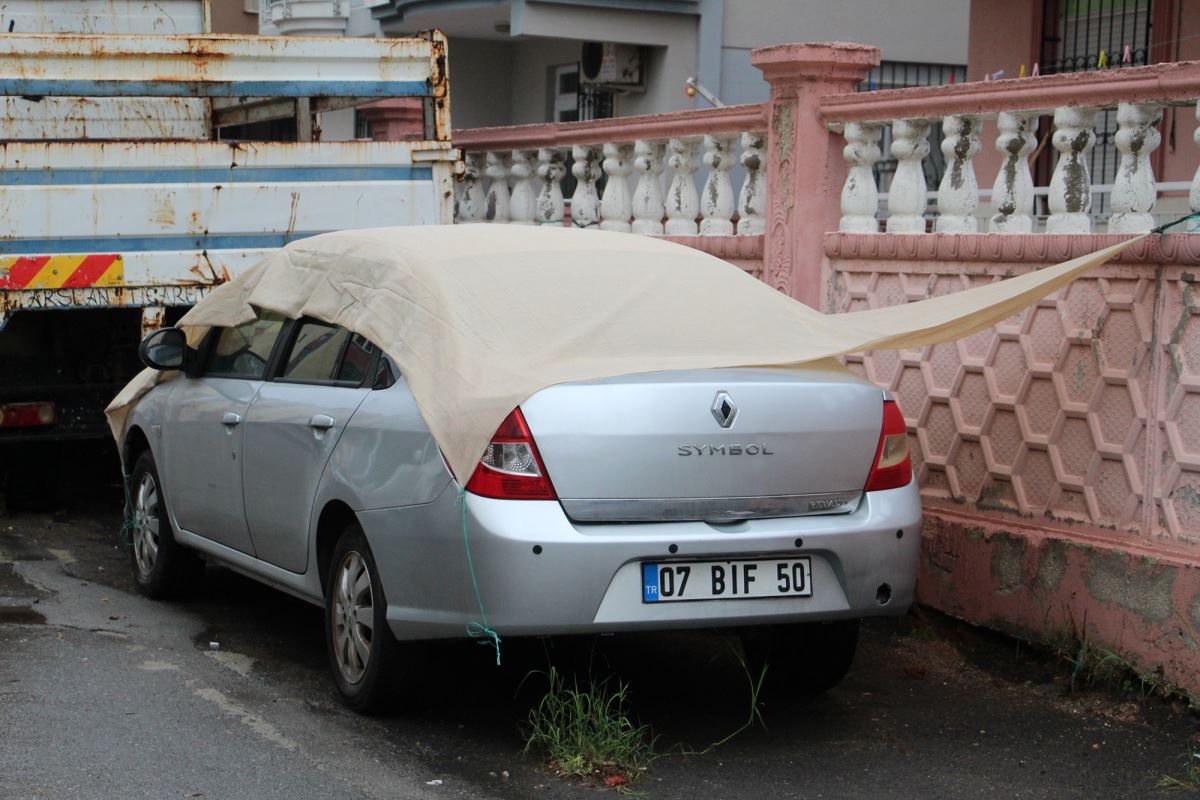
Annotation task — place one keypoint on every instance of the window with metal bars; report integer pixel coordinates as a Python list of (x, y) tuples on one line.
[(1081, 35)]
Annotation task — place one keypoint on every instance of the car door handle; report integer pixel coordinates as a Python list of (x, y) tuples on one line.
[(231, 418), (321, 422)]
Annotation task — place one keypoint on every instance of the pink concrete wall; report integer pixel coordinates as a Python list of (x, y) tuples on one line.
[(1058, 453)]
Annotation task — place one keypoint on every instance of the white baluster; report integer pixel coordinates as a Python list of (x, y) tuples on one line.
[(647, 196), (523, 205), (908, 192), (1194, 195), (1134, 188), (585, 202), (860, 195), (1012, 194), (471, 202), (958, 193), (550, 171), (752, 200), (716, 204), (616, 207), (683, 203), (1070, 197), (498, 165)]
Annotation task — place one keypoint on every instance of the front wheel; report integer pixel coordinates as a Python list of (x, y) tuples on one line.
[(805, 658), (161, 566), (364, 656)]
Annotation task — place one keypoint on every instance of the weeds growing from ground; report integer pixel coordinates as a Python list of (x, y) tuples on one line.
[(1190, 782), (587, 732)]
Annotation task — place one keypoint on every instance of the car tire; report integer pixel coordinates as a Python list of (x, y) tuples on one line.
[(162, 567), (366, 661), (807, 658)]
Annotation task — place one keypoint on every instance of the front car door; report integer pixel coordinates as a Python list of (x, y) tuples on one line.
[(290, 432), (203, 433)]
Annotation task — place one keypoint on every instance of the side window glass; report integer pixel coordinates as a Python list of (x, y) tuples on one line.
[(385, 374), (243, 352), (357, 360), (315, 351)]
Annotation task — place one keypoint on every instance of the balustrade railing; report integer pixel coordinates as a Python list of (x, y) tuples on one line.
[(669, 174), (1070, 101)]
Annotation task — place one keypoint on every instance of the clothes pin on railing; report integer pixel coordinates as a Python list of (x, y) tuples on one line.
[(958, 193), (585, 201), (1134, 189), (1070, 197), (1012, 194), (648, 196), (716, 204), (551, 170), (860, 195), (616, 207), (471, 201), (683, 203), (752, 200), (497, 170), (908, 192), (523, 203)]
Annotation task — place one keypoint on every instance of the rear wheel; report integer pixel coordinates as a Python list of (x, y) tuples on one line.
[(806, 658), (364, 656), (161, 566)]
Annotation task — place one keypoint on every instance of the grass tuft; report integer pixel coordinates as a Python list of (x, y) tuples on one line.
[(1190, 782), (587, 732)]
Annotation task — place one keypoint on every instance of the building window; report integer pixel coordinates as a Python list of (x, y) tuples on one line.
[(565, 106)]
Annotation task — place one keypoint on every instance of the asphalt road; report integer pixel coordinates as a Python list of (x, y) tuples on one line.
[(104, 694)]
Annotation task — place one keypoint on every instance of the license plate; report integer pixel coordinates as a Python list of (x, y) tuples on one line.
[(680, 581)]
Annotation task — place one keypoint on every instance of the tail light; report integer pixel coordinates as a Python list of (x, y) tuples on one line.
[(27, 415), (892, 467), (511, 468)]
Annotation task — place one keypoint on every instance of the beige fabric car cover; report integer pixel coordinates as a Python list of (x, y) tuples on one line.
[(480, 317)]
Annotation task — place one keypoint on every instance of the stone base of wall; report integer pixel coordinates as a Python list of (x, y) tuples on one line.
[(1054, 587)]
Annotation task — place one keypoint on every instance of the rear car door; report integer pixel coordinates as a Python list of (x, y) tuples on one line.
[(203, 434), (291, 429)]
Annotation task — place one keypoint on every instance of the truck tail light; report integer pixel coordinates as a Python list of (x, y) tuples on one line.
[(892, 467), (511, 468), (27, 415)]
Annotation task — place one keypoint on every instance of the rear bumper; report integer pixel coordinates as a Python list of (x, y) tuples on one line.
[(587, 578)]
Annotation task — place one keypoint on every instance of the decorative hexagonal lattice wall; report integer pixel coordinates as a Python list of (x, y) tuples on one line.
[(1083, 409)]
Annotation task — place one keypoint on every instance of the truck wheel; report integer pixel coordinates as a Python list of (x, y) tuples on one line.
[(161, 566), (807, 658), (365, 658)]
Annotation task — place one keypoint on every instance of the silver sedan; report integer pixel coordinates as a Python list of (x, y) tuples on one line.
[(780, 501)]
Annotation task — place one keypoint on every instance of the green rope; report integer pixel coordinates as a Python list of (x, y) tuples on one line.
[(476, 630), (1163, 228)]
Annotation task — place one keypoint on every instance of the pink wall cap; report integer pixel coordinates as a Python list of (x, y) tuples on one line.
[(816, 60)]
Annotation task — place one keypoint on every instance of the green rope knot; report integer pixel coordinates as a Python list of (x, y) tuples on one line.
[(1163, 228), (480, 631)]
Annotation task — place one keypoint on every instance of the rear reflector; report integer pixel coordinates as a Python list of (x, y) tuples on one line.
[(892, 467), (27, 415), (511, 468)]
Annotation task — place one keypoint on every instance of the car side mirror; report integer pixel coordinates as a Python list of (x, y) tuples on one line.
[(165, 349)]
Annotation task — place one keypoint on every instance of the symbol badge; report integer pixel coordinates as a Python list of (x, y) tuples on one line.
[(724, 410)]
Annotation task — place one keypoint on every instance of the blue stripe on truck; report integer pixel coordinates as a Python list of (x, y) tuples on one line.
[(165, 242), (73, 177), (37, 87)]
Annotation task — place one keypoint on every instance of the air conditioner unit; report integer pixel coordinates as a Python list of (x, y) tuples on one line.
[(617, 66)]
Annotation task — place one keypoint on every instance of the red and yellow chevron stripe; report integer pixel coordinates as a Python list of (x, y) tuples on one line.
[(61, 272)]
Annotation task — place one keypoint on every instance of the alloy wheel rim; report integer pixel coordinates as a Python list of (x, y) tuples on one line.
[(353, 617), (146, 524)]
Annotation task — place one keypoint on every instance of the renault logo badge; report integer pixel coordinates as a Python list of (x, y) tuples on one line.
[(724, 409)]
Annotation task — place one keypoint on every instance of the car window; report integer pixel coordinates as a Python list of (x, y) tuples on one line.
[(243, 351), (314, 352), (356, 361)]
